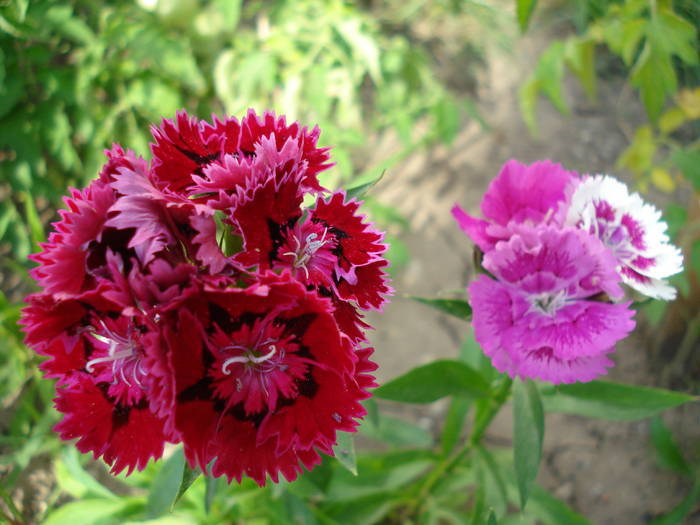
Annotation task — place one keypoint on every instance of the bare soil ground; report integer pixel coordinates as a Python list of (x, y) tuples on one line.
[(604, 470)]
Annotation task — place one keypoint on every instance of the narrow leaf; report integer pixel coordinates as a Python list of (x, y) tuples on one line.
[(492, 518), (607, 400), (524, 10), (552, 511), (166, 485), (210, 486), (189, 476), (455, 307), (454, 423), (528, 432), (678, 514), (86, 512), (345, 451), (359, 191), (667, 450), (434, 381)]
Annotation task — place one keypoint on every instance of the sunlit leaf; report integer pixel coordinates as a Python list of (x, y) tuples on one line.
[(344, 451), (166, 485), (662, 179), (688, 161), (86, 512), (655, 77), (524, 10)]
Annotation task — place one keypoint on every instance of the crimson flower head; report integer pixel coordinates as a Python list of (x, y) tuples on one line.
[(264, 379), (195, 299)]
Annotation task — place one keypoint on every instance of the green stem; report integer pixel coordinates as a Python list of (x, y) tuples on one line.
[(480, 426)]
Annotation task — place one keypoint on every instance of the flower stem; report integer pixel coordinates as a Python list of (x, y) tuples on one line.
[(480, 425)]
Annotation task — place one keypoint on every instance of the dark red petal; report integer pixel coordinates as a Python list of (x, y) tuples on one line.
[(183, 148), (254, 127), (262, 214), (370, 289), (126, 437), (359, 242)]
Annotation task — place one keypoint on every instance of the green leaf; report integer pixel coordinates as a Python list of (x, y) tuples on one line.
[(33, 221), (678, 514), (455, 307), (688, 161), (345, 451), (189, 476), (639, 155), (550, 74), (447, 122), (433, 381), (73, 473), (667, 450), (655, 77), (380, 474), (495, 477), (615, 401), (674, 35), (552, 511), (396, 432), (359, 191), (454, 424), (166, 485), (86, 512), (527, 96), (528, 433), (524, 10), (210, 487), (492, 519), (580, 57)]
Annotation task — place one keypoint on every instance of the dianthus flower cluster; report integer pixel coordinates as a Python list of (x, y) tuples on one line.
[(200, 299), (556, 246)]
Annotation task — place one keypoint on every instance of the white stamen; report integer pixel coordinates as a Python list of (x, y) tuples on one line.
[(248, 358)]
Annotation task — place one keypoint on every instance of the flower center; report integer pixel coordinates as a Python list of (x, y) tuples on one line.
[(122, 353), (548, 303), (306, 249), (251, 358)]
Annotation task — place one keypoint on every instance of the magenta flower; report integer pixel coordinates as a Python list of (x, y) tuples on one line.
[(520, 194), (546, 315)]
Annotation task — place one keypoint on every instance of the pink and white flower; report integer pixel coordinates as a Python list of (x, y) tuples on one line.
[(631, 229)]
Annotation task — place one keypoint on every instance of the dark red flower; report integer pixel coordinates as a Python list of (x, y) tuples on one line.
[(186, 152), (251, 365)]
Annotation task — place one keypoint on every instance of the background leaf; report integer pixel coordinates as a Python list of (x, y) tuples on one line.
[(345, 451), (433, 381), (524, 10), (456, 307), (528, 433), (667, 450), (166, 485), (607, 400)]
